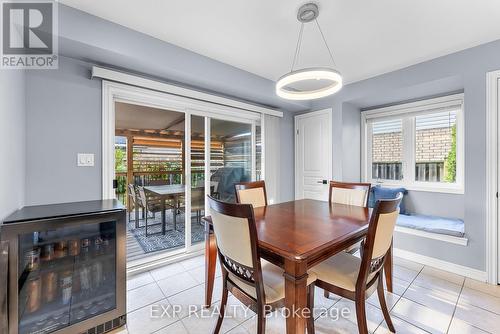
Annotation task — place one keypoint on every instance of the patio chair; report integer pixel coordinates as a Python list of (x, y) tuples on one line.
[(134, 205), (149, 204)]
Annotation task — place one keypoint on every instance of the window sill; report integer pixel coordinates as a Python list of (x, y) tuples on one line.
[(433, 188), (462, 241)]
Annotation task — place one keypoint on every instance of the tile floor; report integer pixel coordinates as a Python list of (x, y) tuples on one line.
[(425, 300)]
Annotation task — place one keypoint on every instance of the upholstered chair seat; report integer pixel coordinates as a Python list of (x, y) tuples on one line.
[(341, 270)]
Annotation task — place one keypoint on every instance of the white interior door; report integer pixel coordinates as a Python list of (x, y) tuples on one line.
[(313, 154)]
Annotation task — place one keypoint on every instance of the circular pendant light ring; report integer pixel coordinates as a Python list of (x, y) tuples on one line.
[(316, 73)]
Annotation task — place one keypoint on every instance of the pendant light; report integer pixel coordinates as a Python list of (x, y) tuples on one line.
[(312, 82)]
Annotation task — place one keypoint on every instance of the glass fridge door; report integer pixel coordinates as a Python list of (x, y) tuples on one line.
[(66, 275)]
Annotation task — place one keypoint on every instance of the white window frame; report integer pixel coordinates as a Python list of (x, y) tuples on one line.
[(407, 112)]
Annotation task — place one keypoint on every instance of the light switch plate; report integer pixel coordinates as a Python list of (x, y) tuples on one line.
[(85, 160)]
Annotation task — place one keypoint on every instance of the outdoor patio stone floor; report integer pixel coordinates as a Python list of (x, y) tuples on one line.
[(426, 300)]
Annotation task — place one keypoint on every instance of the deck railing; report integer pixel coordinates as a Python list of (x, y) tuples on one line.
[(432, 171)]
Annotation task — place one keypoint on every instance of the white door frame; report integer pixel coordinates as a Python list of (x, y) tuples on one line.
[(329, 112), (113, 92), (492, 179)]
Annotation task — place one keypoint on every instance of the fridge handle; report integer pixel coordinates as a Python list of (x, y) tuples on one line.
[(4, 261)]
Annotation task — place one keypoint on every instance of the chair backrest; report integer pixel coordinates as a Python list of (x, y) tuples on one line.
[(131, 193), (142, 197), (379, 238), (251, 193), (237, 243), (349, 193)]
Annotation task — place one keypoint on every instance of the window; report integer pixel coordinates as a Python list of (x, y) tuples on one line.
[(417, 145)]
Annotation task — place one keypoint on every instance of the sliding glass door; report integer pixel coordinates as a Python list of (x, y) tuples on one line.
[(230, 156), (166, 161)]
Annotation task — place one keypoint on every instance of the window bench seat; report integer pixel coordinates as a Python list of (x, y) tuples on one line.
[(440, 228)]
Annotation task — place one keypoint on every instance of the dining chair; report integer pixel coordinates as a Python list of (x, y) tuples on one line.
[(257, 283), (356, 278), (349, 193), (251, 193)]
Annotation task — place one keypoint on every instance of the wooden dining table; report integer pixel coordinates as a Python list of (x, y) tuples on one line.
[(296, 236)]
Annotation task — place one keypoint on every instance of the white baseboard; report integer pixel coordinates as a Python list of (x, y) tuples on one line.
[(441, 264)]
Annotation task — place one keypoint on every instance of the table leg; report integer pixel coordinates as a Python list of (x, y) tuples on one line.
[(176, 205), (136, 210), (296, 296), (388, 269), (162, 207), (210, 264)]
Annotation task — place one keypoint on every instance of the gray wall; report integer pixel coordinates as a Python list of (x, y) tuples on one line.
[(12, 139), (463, 71), (63, 119), (287, 162)]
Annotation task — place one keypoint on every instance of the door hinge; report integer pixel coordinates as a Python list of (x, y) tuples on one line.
[(297, 132)]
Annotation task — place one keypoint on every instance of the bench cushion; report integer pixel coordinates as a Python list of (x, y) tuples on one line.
[(433, 224)]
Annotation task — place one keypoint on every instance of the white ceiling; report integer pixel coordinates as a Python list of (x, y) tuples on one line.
[(368, 37)]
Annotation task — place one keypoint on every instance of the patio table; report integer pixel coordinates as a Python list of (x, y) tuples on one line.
[(165, 192)]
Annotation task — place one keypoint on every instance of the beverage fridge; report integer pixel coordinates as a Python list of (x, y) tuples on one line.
[(66, 268)]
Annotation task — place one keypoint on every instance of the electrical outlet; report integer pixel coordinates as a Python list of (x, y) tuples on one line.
[(85, 160)]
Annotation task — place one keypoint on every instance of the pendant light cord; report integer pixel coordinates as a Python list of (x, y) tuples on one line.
[(297, 48), (324, 40)]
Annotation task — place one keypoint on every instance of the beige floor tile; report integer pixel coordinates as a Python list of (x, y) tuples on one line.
[(193, 262), (175, 284), (139, 280), (143, 296), (445, 275), (238, 330), (200, 323), (421, 316), (478, 317), (390, 298), (175, 328), (204, 320), (407, 263), (192, 300), (199, 273), (399, 286), (327, 325), (490, 289), (120, 330), (438, 300), (404, 273), (275, 324), (373, 314), (167, 271), (436, 283), (401, 327), (322, 304), (480, 299), (150, 318), (461, 327)]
